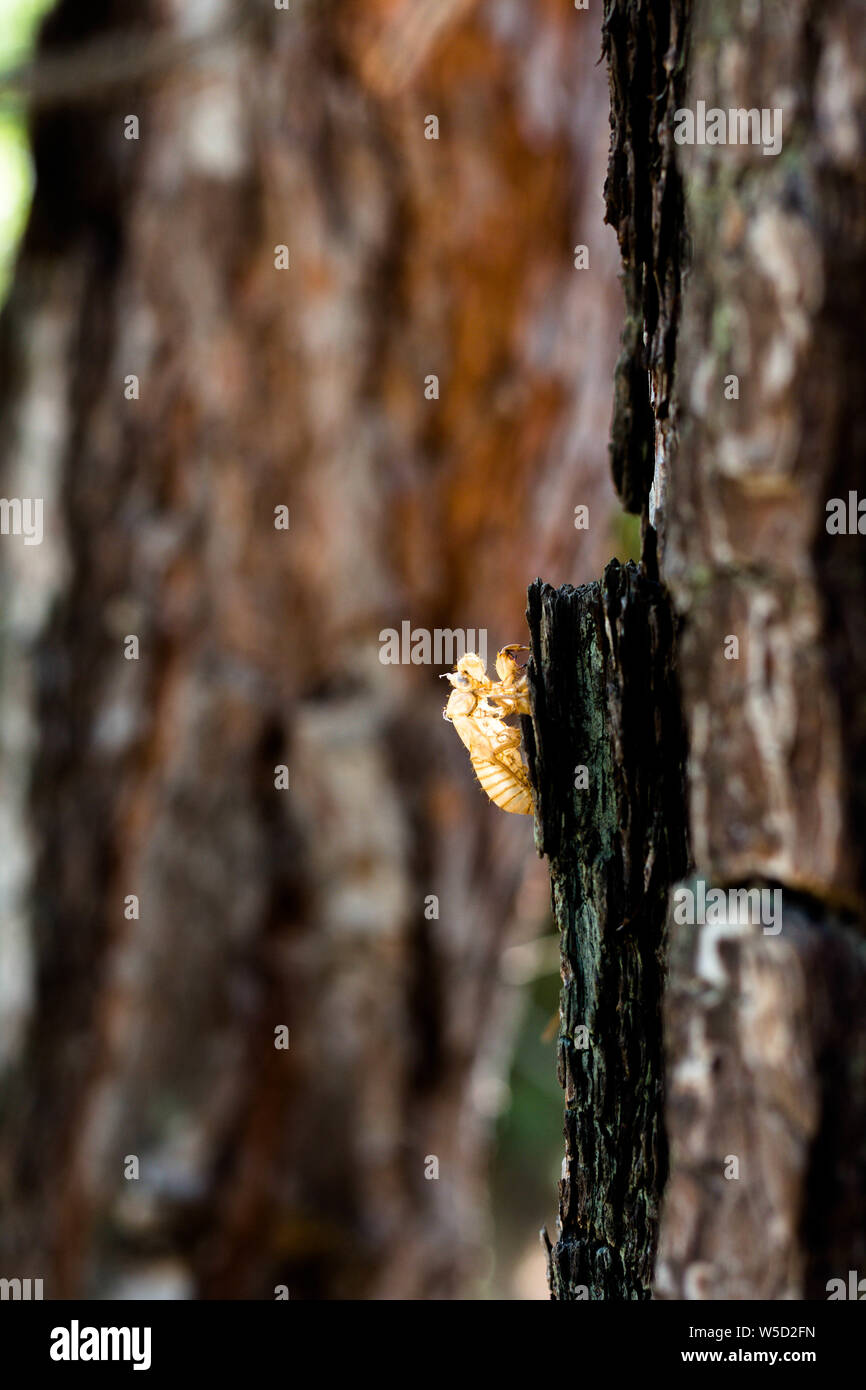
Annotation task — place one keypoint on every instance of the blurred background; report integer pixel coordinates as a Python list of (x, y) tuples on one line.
[(164, 905)]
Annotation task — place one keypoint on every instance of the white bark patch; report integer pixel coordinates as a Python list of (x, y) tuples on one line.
[(788, 256), (31, 578), (212, 126), (839, 93)]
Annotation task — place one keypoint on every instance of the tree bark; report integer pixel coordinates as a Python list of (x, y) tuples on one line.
[(765, 1040), (765, 1096), (606, 697), (153, 1036), (606, 756)]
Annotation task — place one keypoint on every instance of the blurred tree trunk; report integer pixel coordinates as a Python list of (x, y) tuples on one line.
[(153, 1035), (738, 417)]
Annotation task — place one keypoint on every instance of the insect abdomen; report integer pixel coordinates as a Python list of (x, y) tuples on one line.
[(504, 785)]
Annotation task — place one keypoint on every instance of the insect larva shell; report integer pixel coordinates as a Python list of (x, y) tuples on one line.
[(506, 785)]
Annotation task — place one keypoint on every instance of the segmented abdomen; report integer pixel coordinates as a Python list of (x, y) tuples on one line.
[(505, 781)]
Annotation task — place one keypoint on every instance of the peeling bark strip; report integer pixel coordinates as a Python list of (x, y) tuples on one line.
[(605, 698), (645, 46)]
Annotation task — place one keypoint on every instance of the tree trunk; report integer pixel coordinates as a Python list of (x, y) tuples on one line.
[(152, 1036), (737, 417), (767, 1053)]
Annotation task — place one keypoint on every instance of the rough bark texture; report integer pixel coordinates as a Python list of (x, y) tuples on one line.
[(776, 296), (765, 1039), (154, 1036), (606, 704), (765, 1047), (605, 666), (645, 48)]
